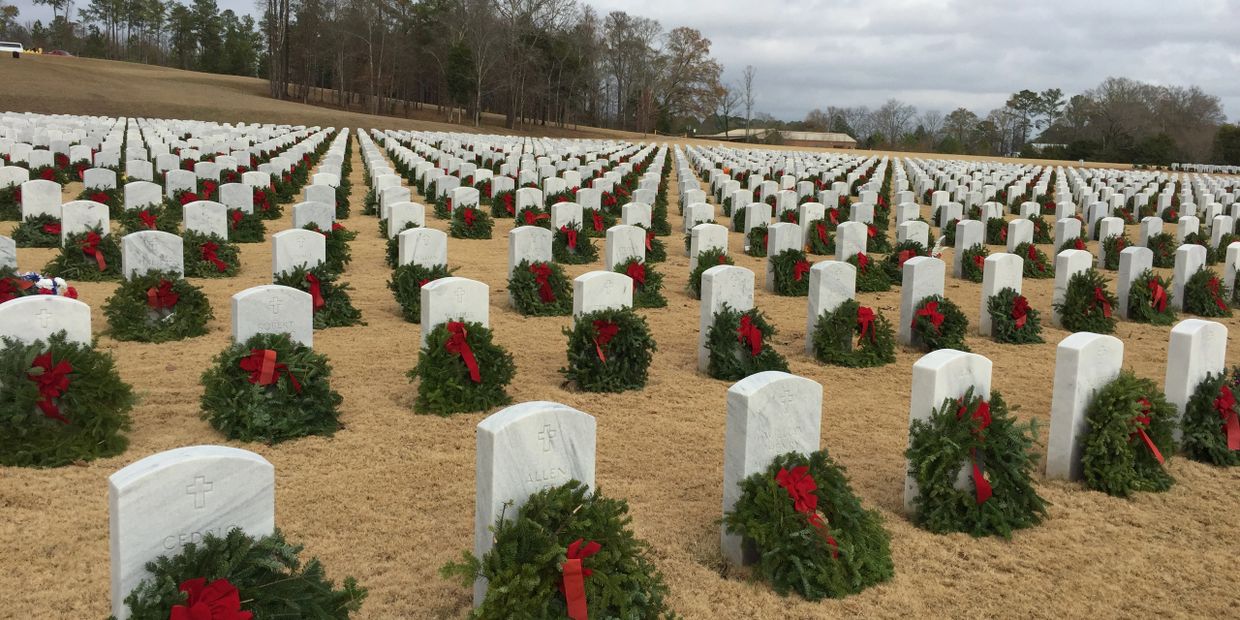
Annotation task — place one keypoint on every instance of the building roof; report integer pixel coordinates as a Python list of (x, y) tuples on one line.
[(797, 136)]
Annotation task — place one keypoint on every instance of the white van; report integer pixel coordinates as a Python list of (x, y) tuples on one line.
[(10, 46)]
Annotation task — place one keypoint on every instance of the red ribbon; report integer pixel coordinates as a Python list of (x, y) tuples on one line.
[(1020, 310), (469, 216), (570, 236), (316, 291), (508, 199), (979, 261), (981, 486), (575, 573), (53, 380), (871, 230), (162, 296), (458, 345), (217, 601), (802, 489), (604, 331), (542, 273), (637, 271), (208, 254), (1078, 244), (834, 214), (822, 232), (1143, 422), (649, 238), (598, 221), (865, 323), (532, 217), (52, 228), (1100, 299), (148, 220), (1225, 404), (863, 261), (99, 197), (930, 310), (90, 246), (1212, 286), (800, 269), (188, 197), (748, 333), (265, 370), (48, 174), (237, 216), (1032, 253), (904, 255), (1159, 295)]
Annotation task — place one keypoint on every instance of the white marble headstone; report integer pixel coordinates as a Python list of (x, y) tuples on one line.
[(37, 317), (152, 250), (273, 309)]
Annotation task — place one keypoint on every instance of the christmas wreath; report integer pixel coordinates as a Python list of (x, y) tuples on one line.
[(609, 351), (938, 324), (442, 208), (705, 260), (38, 231), (567, 552), (808, 527), (62, 402), (1149, 299), (973, 262), (996, 231), (88, 257), (656, 250), (239, 577), (738, 221), (877, 240), (10, 203), (330, 300), (504, 204), (980, 438), (406, 284), (158, 306), (1111, 247), (1087, 304), (739, 345), (461, 369), (392, 248), (470, 223), (835, 330), (1204, 295), (1041, 230), (1012, 320), (1037, 265), (1075, 243), (893, 263), (871, 276), (647, 283), (111, 197), (270, 389), (791, 271), (208, 256), (540, 289), (336, 242), (949, 232), (1163, 246), (370, 202), (534, 216), (1130, 428), (1211, 423), (755, 241), (571, 247), (597, 222), (153, 217), (821, 241), (245, 227)]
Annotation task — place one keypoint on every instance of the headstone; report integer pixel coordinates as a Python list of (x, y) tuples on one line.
[(295, 248), (152, 250), (601, 290), (1107, 227), (999, 271), (807, 216), (40, 197), (427, 247), (273, 309), (698, 213), (321, 214), (831, 283), (1132, 263), (1084, 363), (922, 276), (453, 299), (705, 237), (142, 194), (319, 193), (239, 196), (1150, 226), (913, 230), (1067, 264), (161, 503), (623, 243), (780, 238), (528, 243), (1065, 230), (207, 217), (8, 253), (1230, 267), (850, 240), (721, 284), (179, 181), (1197, 349), (769, 414), (1186, 226), (757, 214), (1019, 231), (564, 214), (636, 214), (99, 178), (1189, 259), (1222, 225), (968, 234), (401, 214), (37, 317), (81, 216)]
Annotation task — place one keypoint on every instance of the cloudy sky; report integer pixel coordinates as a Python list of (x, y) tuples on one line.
[(943, 54)]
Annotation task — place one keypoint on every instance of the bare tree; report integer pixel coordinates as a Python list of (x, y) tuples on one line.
[(892, 120), (932, 122), (748, 97), (725, 99)]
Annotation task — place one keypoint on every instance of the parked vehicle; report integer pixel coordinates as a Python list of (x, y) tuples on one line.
[(58, 53), (15, 48)]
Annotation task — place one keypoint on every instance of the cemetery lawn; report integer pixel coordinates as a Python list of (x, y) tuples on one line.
[(390, 498)]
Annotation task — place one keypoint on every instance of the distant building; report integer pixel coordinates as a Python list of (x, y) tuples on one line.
[(815, 139)]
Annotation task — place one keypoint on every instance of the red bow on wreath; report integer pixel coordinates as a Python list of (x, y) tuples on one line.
[(822, 232), (570, 236), (162, 296), (1032, 253), (871, 230), (99, 197), (532, 217), (508, 203), (649, 239), (542, 273), (865, 324), (1213, 287), (931, 311), (1158, 295), (53, 380), (188, 197), (863, 262), (469, 216), (801, 268), (748, 333), (1078, 244), (1225, 405), (457, 344), (598, 221), (802, 489), (979, 261), (52, 228), (1142, 421), (834, 214), (148, 220), (904, 255), (48, 174), (573, 584), (90, 247), (237, 216), (264, 369), (1020, 310), (209, 250), (1100, 299), (981, 486), (604, 331), (637, 271), (217, 601), (316, 291)]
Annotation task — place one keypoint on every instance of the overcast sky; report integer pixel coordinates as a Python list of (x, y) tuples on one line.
[(943, 54)]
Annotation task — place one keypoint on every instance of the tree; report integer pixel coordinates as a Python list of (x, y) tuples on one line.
[(725, 100), (960, 125), (892, 120), (1227, 145), (817, 120), (748, 96), (687, 74)]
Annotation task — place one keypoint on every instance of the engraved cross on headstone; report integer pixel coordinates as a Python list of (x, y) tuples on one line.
[(274, 304), (199, 490), (45, 318), (547, 436)]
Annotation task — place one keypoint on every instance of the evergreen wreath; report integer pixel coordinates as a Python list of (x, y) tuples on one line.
[(331, 304), (153, 217), (973, 262), (791, 270), (62, 402), (1130, 429), (893, 263), (370, 202), (1163, 245), (1037, 265), (534, 216), (1041, 230), (1087, 304), (470, 223), (1012, 320), (406, 285), (938, 324), (872, 276), (971, 433), (524, 568), (392, 248), (270, 389), (219, 576), (821, 240), (504, 204), (647, 283), (597, 221), (1111, 247), (809, 529), (712, 257), (1149, 299), (1220, 252), (656, 250), (1204, 295), (755, 241), (38, 231), (996, 231), (246, 227), (949, 232), (609, 350), (87, 257), (209, 256), (570, 246), (834, 334), (1075, 243), (10, 203), (1210, 423), (877, 240), (336, 242), (158, 306), (540, 289), (461, 369), (738, 221), (739, 345)]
